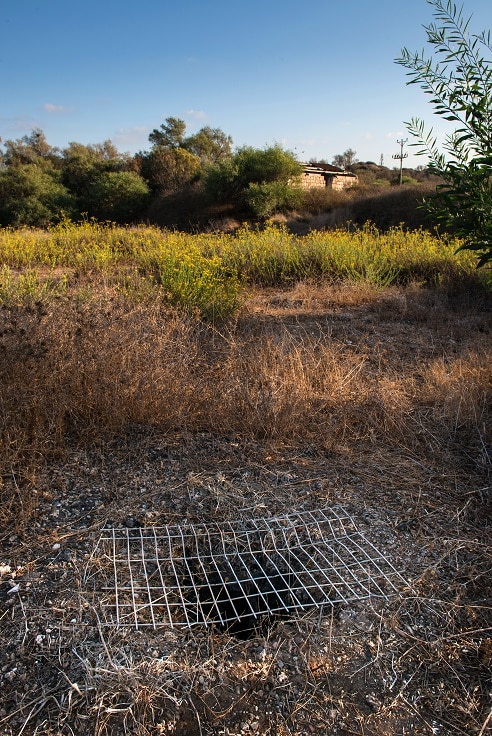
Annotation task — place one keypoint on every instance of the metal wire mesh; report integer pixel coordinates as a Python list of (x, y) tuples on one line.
[(238, 571)]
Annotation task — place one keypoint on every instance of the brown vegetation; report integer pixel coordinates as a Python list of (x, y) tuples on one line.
[(384, 206), (376, 399)]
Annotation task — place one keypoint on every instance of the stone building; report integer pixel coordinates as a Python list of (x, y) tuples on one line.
[(320, 176)]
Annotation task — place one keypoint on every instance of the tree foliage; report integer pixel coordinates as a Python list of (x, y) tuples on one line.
[(176, 160), (29, 149), (345, 160), (262, 179), (170, 134), (272, 163), (32, 195), (272, 196), (83, 164), (39, 183), (211, 145), (458, 80), (118, 196), (169, 170)]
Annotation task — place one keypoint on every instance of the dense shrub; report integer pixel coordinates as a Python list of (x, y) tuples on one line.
[(119, 196), (243, 177), (169, 170), (33, 195), (274, 196)]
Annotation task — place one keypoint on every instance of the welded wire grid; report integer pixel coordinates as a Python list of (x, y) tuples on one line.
[(238, 571)]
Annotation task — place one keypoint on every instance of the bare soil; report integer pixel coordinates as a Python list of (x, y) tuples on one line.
[(419, 663)]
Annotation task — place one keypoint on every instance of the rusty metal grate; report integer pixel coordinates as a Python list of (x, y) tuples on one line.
[(237, 571)]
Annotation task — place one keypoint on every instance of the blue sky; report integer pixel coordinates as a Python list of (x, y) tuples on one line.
[(316, 76)]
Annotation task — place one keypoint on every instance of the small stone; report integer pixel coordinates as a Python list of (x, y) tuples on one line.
[(372, 701), (56, 546)]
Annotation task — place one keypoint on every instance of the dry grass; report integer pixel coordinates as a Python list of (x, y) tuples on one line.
[(376, 398), (295, 366)]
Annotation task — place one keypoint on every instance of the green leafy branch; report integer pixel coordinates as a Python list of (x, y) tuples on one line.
[(458, 79)]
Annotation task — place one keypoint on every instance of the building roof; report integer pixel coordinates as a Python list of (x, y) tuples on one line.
[(323, 167), (326, 169)]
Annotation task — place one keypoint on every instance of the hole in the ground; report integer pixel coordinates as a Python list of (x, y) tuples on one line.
[(246, 609), (242, 575)]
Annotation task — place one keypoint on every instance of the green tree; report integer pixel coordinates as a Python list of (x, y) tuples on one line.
[(211, 145), (345, 160), (169, 170), (459, 83), (29, 149), (82, 167), (32, 195), (119, 196), (82, 164), (272, 196), (244, 176), (170, 134), (272, 163), (177, 161), (221, 181)]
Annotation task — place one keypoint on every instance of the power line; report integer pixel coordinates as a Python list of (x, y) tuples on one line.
[(401, 156)]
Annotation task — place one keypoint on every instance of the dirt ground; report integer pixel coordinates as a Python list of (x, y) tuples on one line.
[(418, 663)]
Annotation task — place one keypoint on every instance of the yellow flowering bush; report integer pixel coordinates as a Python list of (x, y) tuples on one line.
[(205, 273)]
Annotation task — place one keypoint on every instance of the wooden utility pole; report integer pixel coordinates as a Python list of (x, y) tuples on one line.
[(401, 156)]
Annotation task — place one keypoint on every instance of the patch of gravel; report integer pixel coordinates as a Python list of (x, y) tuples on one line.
[(419, 664)]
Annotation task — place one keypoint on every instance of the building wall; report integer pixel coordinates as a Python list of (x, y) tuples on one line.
[(311, 180), (342, 182)]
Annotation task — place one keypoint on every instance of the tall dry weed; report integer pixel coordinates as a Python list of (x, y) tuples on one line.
[(83, 367)]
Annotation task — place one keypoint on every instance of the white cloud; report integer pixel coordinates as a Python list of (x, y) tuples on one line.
[(49, 107)]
